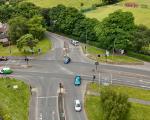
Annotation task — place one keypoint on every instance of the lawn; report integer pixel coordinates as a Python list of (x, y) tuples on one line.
[(44, 45), (71, 3), (130, 91), (142, 15), (118, 59), (14, 103), (94, 110)]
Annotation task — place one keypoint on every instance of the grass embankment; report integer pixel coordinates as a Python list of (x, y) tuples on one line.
[(142, 15), (137, 111), (117, 59), (71, 3), (44, 44), (14, 103)]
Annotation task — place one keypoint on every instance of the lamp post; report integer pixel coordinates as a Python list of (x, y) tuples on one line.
[(86, 41)]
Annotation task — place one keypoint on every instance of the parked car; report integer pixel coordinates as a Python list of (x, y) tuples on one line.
[(77, 106), (77, 80), (3, 58), (5, 70), (67, 60)]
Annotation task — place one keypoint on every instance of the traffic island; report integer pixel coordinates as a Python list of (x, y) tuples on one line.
[(61, 109), (61, 106)]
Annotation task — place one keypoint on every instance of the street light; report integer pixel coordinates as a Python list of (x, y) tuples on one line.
[(86, 41)]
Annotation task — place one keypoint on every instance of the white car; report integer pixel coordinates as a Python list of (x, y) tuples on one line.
[(74, 42), (77, 106)]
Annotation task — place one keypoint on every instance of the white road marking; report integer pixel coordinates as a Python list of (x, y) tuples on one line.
[(145, 86), (47, 97), (144, 81), (41, 116)]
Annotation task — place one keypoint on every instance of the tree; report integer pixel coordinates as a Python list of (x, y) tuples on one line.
[(17, 28), (141, 38), (115, 105), (26, 40), (114, 31), (84, 29), (35, 27), (27, 10)]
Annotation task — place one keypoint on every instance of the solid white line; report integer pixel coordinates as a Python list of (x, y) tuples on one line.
[(144, 81), (37, 107), (144, 86), (47, 97)]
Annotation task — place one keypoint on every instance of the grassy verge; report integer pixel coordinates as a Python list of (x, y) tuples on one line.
[(141, 14), (117, 59), (94, 110), (139, 56), (14, 103), (71, 3), (44, 44), (130, 91)]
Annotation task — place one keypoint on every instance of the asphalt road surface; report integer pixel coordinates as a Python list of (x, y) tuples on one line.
[(48, 71)]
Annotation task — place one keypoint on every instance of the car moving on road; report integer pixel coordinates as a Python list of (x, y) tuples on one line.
[(67, 60), (77, 80), (77, 106), (5, 70), (74, 42)]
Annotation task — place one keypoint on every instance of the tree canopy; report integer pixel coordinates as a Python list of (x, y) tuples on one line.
[(113, 31), (26, 40)]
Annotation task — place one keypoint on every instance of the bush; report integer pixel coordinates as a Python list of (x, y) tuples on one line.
[(115, 106), (139, 56)]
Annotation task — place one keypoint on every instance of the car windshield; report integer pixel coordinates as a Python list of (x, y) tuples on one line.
[(77, 105)]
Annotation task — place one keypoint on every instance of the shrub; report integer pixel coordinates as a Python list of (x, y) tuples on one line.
[(139, 56)]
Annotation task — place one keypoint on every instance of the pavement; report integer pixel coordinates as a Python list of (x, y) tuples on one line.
[(47, 71)]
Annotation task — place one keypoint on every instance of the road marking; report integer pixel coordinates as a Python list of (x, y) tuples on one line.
[(47, 97), (41, 116), (145, 86), (144, 81)]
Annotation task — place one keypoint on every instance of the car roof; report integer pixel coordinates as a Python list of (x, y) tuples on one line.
[(6, 68), (77, 101)]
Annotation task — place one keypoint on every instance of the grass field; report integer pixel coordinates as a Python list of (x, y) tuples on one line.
[(142, 15), (14, 103), (137, 111), (72, 3), (118, 59), (130, 91), (44, 44), (94, 110)]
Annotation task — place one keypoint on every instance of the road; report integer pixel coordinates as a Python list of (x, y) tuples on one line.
[(48, 71)]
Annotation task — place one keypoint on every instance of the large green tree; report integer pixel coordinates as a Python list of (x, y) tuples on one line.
[(17, 28), (35, 27), (141, 38), (114, 30), (115, 105), (25, 41)]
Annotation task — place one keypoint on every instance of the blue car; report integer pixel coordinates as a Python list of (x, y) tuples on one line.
[(67, 60), (77, 80)]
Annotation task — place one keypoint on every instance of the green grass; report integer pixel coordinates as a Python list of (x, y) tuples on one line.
[(118, 59), (14, 103), (71, 3), (94, 110), (142, 15), (44, 44), (132, 92)]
